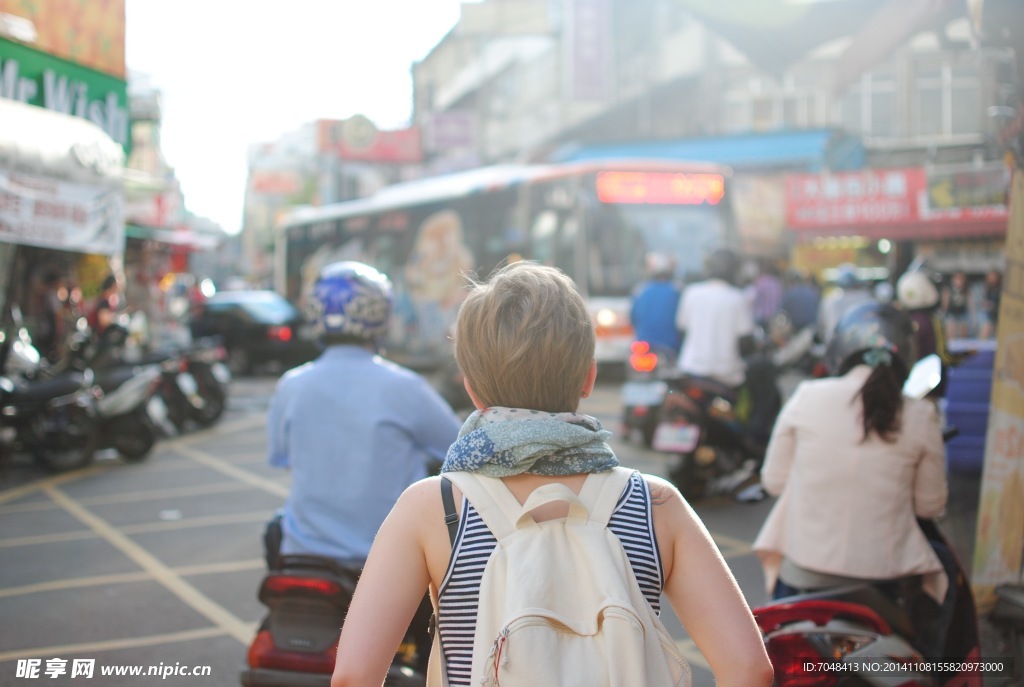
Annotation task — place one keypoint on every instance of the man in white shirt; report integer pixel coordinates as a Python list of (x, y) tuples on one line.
[(716, 320)]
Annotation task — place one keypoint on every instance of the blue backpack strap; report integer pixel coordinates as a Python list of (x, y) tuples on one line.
[(451, 518)]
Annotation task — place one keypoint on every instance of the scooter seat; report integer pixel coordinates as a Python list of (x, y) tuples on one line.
[(1009, 608), (44, 390), (865, 595)]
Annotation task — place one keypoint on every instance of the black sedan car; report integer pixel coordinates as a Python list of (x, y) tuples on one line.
[(258, 329)]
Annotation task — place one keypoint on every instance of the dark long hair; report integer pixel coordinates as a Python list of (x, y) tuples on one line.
[(882, 398)]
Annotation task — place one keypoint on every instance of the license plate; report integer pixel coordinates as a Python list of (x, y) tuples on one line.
[(676, 438), (157, 410), (648, 394), (221, 373), (187, 383)]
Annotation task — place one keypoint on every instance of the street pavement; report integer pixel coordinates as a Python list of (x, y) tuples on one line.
[(157, 563)]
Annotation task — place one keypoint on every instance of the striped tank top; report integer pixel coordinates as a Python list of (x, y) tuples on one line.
[(459, 596)]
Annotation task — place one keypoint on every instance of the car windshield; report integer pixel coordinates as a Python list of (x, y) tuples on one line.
[(269, 308)]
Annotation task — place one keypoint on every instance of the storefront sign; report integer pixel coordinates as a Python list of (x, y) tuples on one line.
[(357, 138), (38, 211), (35, 78), (875, 198), (866, 197), (87, 33), (967, 193)]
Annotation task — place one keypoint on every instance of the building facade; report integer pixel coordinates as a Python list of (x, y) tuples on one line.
[(578, 79)]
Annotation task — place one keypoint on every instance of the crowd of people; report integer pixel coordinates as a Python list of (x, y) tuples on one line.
[(513, 333)]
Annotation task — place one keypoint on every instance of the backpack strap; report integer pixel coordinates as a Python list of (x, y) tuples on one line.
[(492, 500), (503, 514), (451, 518), (602, 490)]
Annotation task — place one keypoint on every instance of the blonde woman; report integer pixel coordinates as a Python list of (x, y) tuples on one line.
[(525, 342)]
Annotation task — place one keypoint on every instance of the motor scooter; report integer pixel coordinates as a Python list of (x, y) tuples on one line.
[(720, 445), (307, 598), (857, 636), (644, 389)]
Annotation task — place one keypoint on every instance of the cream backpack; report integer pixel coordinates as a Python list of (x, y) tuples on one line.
[(559, 603)]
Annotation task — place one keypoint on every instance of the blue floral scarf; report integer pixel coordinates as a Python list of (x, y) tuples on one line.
[(499, 442)]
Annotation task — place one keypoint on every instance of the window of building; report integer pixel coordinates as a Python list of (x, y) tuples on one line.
[(947, 99)]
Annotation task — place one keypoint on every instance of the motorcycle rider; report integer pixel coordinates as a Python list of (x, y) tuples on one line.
[(654, 306), (850, 291), (918, 295), (717, 323), (852, 477), (354, 429)]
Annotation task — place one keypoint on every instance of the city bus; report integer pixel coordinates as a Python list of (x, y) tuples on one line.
[(594, 220)]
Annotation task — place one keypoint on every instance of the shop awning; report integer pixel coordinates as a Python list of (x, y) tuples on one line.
[(184, 237), (37, 141), (934, 230), (807, 150)]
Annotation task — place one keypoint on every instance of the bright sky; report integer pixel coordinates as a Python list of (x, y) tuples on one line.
[(237, 72)]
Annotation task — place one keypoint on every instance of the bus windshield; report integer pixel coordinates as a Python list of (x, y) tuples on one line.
[(621, 235)]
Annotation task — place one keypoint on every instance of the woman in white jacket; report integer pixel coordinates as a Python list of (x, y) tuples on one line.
[(854, 463)]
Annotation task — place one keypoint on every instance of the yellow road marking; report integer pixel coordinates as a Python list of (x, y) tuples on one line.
[(217, 614), (189, 523), (735, 546), (217, 568), (131, 497), (231, 470), (60, 585), (692, 654), (55, 538), (71, 650), (56, 480), (128, 578)]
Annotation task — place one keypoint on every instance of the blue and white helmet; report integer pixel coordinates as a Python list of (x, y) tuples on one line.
[(351, 299)]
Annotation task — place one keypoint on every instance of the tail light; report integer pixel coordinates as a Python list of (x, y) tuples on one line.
[(281, 584), (641, 358), (794, 661), (282, 333), (820, 370), (263, 653), (694, 392)]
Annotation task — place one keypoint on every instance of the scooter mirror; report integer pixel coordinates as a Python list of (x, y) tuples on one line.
[(924, 377)]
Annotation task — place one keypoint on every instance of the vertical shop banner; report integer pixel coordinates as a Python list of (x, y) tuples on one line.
[(588, 50), (36, 211), (999, 547)]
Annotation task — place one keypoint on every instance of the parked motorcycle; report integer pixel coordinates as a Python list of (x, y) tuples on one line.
[(55, 420), (718, 435), (307, 598), (193, 385), (645, 388)]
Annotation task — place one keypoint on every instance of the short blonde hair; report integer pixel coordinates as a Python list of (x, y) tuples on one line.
[(524, 339)]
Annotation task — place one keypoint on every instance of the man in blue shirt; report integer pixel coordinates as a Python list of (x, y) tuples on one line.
[(354, 429), (653, 312)]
